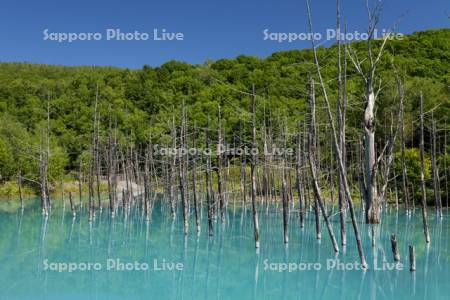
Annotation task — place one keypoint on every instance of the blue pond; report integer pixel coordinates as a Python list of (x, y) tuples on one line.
[(62, 257)]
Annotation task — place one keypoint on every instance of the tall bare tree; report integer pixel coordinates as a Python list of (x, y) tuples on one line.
[(253, 170), (342, 171), (422, 174)]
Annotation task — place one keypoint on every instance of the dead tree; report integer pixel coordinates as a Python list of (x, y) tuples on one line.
[(435, 170), (412, 258), (110, 163), (445, 165), (336, 146), (43, 165), (312, 165), (72, 205), (47, 185), (243, 180), (97, 158), (182, 172), (194, 181), (80, 182), (219, 167), (63, 200), (284, 195), (253, 170), (387, 152), (138, 175), (312, 144), (305, 178), (394, 246), (341, 109), (371, 196), (209, 193), (91, 188), (266, 161), (172, 170), (130, 173), (402, 158), (147, 181), (167, 170), (19, 183), (92, 162), (298, 165), (422, 174)]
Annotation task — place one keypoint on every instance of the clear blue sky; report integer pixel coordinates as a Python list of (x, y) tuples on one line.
[(212, 29)]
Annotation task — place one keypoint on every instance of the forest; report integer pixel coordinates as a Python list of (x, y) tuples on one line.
[(59, 102)]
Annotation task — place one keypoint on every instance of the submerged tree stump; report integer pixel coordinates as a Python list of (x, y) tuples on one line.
[(395, 252), (72, 206), (412, 258)]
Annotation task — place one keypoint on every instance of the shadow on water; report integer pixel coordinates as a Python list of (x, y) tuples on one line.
[(222, 266)]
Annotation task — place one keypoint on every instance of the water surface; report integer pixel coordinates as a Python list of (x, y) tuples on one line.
[(222, 266)]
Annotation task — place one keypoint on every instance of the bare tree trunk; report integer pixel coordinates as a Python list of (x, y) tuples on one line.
[(361, 176), (167, 169), (72, 206), (219, 168), (63, 200), (115, 169), (284, 195), (80, 182), (389, 148), (298, 165), (422, 174), (395, 252), (404, 173), (411, 183), (126, 191), (130, 172), (312, 144), (253, 170), (266, 184), (209, 194), (92, 162), (19, 183), (331, 176), (341, 104), (194, 183), (243, 170), (284, 199), (226, 179), (147, 179), (91, 190), (396, 191), (110, 167), (371, 199), (47, 156), (305, 177), (289, 184), (98, 162), (137, 176), (172, 170), (43, 164), (336, 145), (181, 172), (435, 171), (445, 165), (412, 258), (243, 182), (312, 166)]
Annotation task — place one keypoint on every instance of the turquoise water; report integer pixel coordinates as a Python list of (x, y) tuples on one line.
[(224, 266)]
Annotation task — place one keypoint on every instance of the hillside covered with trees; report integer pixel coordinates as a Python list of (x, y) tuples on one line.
[(55, 106)]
